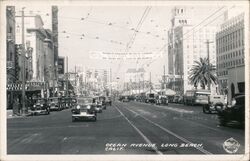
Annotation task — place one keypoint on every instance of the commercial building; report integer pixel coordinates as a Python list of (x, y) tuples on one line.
[(136, 80), (11, 54), (230, 50), (187, 45), (10, 44)]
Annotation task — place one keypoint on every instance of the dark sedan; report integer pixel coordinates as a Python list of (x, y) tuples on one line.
[(234, 112)]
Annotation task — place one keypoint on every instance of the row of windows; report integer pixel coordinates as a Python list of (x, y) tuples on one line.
[(230, 55), (231, 63), (222, 73), (231, 37), (231, 46)]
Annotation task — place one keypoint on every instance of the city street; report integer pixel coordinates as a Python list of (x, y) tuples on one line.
[(123, 128)]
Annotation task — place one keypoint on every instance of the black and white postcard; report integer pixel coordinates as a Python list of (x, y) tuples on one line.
[(124, 80)]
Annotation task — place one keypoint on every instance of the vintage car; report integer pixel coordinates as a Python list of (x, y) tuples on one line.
[(54, 104), (102, 101), (161, 100), (108, 101), (40, 106), (215, 103), (233, 112), (84, 109)]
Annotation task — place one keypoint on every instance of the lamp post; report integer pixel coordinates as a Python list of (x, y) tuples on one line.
[(23, 66)]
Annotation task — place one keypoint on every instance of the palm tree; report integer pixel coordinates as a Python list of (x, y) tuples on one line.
[(203, 74)]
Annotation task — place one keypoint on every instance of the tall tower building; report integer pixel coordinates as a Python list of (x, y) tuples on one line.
[(185, 46)]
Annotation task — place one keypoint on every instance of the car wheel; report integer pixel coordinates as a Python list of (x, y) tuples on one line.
[(219, 107), (206, 109), (223, 122), (73, 119), (94, 119)]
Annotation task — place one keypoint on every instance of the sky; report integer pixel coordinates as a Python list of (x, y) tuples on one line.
[(116, 23), (110, 28)]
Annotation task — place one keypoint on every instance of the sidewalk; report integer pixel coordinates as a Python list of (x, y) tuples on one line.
[(10, 114)]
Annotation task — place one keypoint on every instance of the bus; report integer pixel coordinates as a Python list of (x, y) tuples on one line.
[(196, 97)]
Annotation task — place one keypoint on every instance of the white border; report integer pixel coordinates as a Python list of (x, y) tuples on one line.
[(3, 111)]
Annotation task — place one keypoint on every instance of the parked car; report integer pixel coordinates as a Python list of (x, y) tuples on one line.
[(108, 101), (177, 99), (54, 104), (102, 101), (215, 103), (150, 98), (161, 100), (84, 109), (125, 99), (233, 112), (40, 106)]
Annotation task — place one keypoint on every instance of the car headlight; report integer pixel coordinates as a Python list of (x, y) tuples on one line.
[(78, 107), (34, 105), (88, 107), (41, 105)]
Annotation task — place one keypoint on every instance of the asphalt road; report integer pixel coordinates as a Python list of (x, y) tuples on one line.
[(123, 128)]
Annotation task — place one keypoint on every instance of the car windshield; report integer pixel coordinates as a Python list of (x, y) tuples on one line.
[(86, 100)]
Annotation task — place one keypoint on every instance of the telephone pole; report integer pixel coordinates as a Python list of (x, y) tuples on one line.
[(67, 78), (208, 58), (23, 66), (164, 77), (150, 82)]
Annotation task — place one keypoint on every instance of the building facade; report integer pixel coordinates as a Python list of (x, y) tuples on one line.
[(230, 56), (12, 69), (186, 46)]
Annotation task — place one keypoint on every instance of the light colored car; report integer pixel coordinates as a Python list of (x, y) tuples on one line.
[(54, 104), (84, 109)]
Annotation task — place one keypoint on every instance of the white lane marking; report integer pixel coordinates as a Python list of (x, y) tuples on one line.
[(170, 132), (30, 138), (142, 135)]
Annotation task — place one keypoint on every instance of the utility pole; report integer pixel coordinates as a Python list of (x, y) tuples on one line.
[(67, 78), (208, 58), (164, 77), (150, 82), (173, 53), (75, 80), (110, 82), (23, 66)]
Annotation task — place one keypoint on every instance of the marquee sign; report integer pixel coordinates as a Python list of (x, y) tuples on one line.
[(29, 86)]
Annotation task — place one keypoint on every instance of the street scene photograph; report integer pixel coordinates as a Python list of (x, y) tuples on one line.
[(126, 79)]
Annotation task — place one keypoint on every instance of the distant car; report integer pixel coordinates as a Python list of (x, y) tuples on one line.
[(84, 109), (233, 112), (40, 106), (125, 99), (54, 104), (108, 101), (177, 99), (99, 107)]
